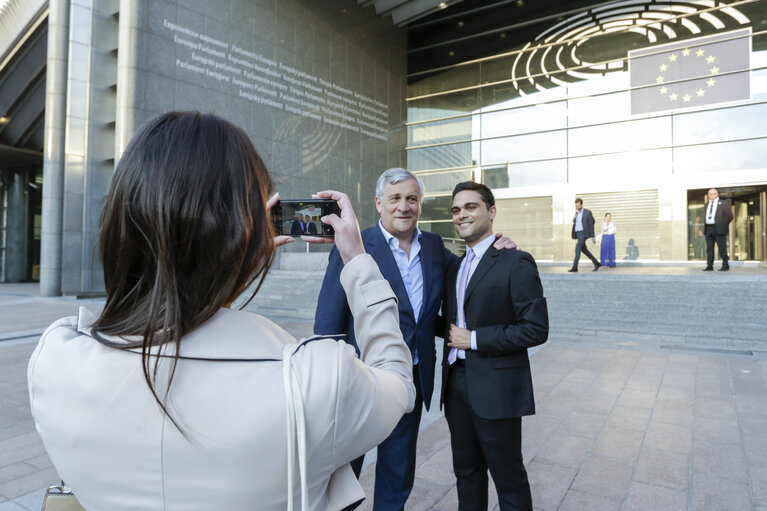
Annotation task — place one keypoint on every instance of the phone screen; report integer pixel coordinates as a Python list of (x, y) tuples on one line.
[(301, 217)]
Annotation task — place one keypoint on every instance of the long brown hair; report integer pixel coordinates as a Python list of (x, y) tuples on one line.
[(183, 232)]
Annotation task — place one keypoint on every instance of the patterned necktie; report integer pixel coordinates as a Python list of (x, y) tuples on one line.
[(461, 295)]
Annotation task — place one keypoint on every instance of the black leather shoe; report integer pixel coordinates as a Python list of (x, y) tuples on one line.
[(573, 270), (724, 268), (597, 266), (708, 269)]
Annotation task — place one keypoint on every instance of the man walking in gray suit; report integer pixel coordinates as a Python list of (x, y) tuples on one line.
[(583, 228)]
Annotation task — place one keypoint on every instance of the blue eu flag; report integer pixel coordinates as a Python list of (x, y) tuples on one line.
[(691, 73)]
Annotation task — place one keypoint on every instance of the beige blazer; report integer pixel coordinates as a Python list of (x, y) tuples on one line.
[(113, 446)]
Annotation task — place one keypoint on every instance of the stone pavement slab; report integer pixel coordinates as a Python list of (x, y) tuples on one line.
[(618, 428)]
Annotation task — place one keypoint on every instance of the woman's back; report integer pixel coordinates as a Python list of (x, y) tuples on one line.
[(114, 446)]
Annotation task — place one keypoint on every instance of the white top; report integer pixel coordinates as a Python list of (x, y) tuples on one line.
[(479, 250), (608, 227), (711, 211), (113, 446)]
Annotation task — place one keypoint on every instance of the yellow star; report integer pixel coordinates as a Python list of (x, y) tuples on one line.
[(700, 52), (686, 52), (714, 70), (673, 96), (659, 79), (710, 82), (663, 67), (710, 59), (663, 89), (672, 57), (701, 93), (686, 98)]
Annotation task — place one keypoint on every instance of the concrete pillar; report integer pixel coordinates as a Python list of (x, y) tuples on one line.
[(53, 151), (15, 260)]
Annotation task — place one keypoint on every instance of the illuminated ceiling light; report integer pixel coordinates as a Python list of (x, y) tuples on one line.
[(442, 5), (520, 3), (460, 23), (503, 35), (451, 53), (4, 119)]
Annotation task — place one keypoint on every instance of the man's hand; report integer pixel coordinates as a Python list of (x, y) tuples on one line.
[(278, 240), (502, 242), (459, 338), (347, 238)]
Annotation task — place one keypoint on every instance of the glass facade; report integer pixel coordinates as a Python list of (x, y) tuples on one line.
[(628, 105)]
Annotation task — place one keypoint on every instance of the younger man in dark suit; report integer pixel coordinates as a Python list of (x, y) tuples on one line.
[(718, 218), (495, 306), (583, 228)]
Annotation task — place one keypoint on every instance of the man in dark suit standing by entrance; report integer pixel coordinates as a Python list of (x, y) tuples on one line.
[(496, 310), (718, 218), (583, 228)]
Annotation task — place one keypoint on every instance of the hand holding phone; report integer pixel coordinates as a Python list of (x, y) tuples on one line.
[(347, 230), (301, 217)]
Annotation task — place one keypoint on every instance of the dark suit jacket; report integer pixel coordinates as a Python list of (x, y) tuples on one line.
[(588, 224), (333, 313), (504, 304), (722, 217), (295, 228), (311, 227)]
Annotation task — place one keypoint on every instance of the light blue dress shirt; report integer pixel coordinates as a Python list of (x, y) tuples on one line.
[(479, 250), (409, 266), (579, 221)]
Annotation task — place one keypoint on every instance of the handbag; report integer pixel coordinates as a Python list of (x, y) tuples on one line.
[(60, 498)]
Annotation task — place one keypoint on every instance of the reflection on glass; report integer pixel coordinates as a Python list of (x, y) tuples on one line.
[(450, 130), (541, 117), (528, 221), (495, 177), (620, 169), (456, 78), (726, 156), (437, 208), (538, 173), (440, 157), (621, 136), (519, 148), (718, 125), (445, 181), (695, 231), (449, 105)]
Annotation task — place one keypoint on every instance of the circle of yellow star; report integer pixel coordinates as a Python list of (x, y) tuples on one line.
[(673, 96), (686, 98), (659, 79), (672, 57), (663, 89), (711, 82), (686, 52), (700, 93), (663, 67), (700, 52), (710, 59), (714, 70)]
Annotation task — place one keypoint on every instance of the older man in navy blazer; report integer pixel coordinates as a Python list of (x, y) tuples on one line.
[(414, 262)]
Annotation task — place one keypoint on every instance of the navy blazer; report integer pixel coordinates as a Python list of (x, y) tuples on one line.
[(333, 315), (504, 304), (588, 224)]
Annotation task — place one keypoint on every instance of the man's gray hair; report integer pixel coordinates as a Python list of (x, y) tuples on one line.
[(392, 177)]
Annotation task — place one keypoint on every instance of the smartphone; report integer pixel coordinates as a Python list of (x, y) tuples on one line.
[(301, 217)]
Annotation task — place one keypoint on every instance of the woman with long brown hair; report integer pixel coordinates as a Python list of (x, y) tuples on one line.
[(168, 399)]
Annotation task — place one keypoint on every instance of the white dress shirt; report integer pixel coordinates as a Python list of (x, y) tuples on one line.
[(711, 211), (479, 250), (608, 227)]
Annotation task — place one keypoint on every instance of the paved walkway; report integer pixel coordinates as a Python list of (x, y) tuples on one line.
[(618, 427)]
